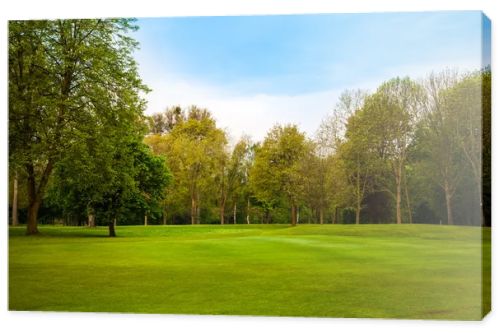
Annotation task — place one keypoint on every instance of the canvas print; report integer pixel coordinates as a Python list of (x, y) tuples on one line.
[(333, 165)]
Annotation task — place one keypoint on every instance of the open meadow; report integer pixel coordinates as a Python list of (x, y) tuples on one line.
[(384, 271)]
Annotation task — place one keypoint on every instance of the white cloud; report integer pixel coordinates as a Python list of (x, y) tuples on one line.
[(252, 115)]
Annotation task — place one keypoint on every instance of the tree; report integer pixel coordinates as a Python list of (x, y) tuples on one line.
[(391, 115), (331, 132), (66, 76), (277, 168), (194, 148), (233, 178), (438, 139), (358, 159), (330, 143), (151, 179), (467, 99)]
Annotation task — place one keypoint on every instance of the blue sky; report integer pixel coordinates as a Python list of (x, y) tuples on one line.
[(254, 71)]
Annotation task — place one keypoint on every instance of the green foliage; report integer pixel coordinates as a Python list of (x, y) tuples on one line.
[(277, 174), (194, 148), (67, 79)]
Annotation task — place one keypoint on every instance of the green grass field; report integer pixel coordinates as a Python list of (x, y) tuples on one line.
[(386, 271)]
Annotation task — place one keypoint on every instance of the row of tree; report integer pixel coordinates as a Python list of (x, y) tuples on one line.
[(409, 152), (84, 153)]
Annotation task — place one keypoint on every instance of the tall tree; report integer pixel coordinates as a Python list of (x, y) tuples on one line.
[(64, 76), (393, 112), (194, 148), (358, 160), (277, 168), (235, 178), (330, 145), (438, 138)]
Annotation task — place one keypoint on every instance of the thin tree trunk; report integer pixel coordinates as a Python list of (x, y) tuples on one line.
[(294, 215), (358, 193), (448, 196), (164, 218), (398, 196), (234, 213), (146, 219), (198, 208), (15, 220), (248, 210), (408, 203), (222, 210), (321, 216), (193, 210), (111, 227), (358, 211)]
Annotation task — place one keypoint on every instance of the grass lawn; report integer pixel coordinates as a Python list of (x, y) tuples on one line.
[(386, 271)]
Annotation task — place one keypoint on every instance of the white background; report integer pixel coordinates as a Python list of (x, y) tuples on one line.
[(49, 322)]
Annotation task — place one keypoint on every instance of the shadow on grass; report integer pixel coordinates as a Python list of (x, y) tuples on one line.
[(58, 232)]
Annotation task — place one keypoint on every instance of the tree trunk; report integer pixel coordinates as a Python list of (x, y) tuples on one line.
[(193, 210), (321, 216), (111, 227), (146, 220), (15, 220), (358, 193), (294, 215), (448, 196), (32, 228), (234, 213), (398, 196), (91, 219), (408, 203), (35, 195), (198, 208), (222, 210), (358, 211), (248, 210)]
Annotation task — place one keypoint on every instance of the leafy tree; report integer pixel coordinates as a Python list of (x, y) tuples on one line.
[(331, 169), (358, 159), (66, 76), (233, 179), (277, 168), (438, 139), (194, 148), (390, 118)]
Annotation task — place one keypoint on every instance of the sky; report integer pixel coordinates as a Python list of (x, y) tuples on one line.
[(253, 72)]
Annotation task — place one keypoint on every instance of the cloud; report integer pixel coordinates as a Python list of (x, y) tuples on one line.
[(252, 115), (255, 114)]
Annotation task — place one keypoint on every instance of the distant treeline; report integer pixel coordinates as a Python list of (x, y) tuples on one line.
[(411, 152)]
